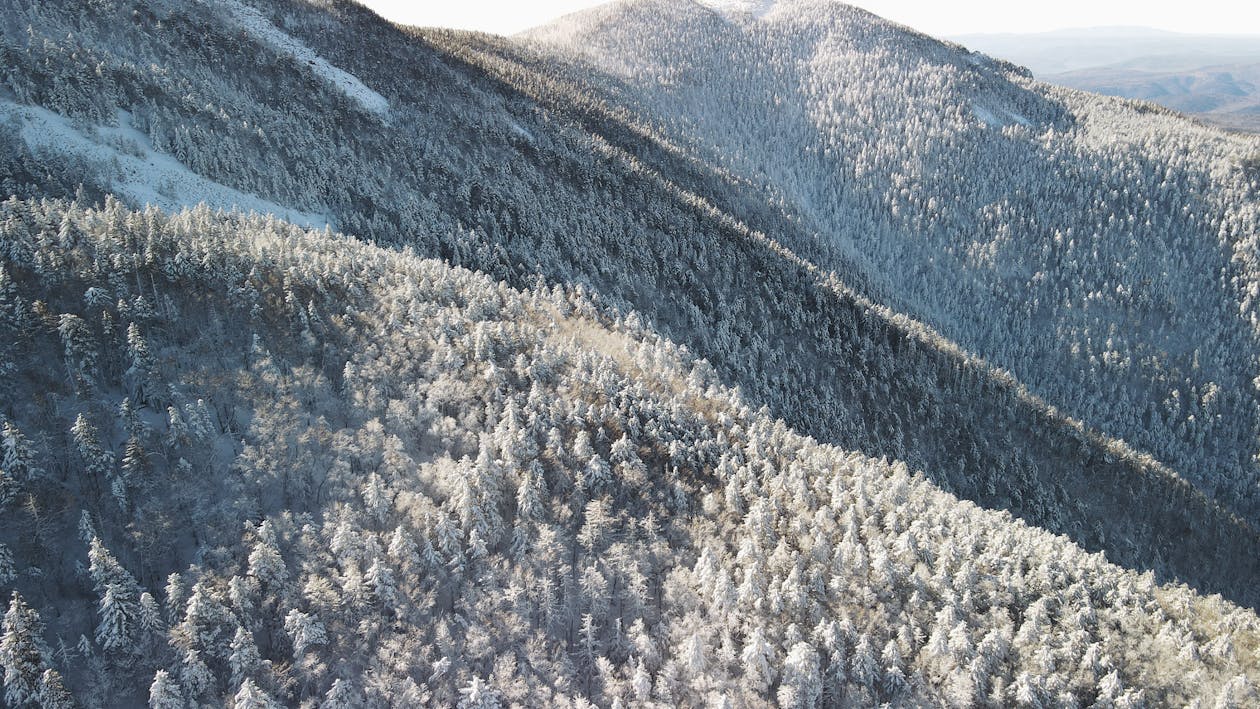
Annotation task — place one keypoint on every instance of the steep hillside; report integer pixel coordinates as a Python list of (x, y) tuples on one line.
[(1101, 252), (281, 466), (494, 157), (615, 390)]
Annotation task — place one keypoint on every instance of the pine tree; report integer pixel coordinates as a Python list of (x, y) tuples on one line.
[(20, 653), (265, 562), (150, 618), (97, 461), (116, 631), (135, 462), (164, 692), (195, 677), (18, 458), (478, 695), (862, 664), (641, 683), (340, 694), (244, 660), (119, 603), (53, 693), (380, 579), (756, 658), (249, 696), (894, 679), (403, 549), (801, 685), (9, 488), (143, 365), (79, 348), (305, 631)]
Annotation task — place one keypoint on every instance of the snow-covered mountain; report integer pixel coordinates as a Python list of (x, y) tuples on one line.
[(673, 354), (1076, 242)]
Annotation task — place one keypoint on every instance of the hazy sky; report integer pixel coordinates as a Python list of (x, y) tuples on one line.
[(937, 17)]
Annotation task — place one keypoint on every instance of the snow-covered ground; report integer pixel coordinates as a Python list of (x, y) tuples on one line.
[(140, 174), (256, 24), (990, 118), (756, 8)]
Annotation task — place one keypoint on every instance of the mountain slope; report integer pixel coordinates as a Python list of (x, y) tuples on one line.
[(549, 180), (353, 474), (1076, 242), (296, 466)]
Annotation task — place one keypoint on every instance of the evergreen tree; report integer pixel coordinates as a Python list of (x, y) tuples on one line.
[(53, 693), (244, 661), (20, 653), (164, 692), (250, 696)]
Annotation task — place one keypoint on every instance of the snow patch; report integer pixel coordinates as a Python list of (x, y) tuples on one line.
[(990, 119), (253, 21), (986, 116), (756, 8), (522, 131), (140, 174)]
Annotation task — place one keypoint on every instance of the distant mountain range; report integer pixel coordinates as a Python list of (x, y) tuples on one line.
[(1215, 77)]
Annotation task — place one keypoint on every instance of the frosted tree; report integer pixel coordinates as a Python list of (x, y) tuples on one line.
[(305, 630), (893, 682), (18, 459), (801, 684), (250, 696), (20, 653), (195, 676), (79, 347), (142, 362), (118, 599), (9, 487), (862, 665), (165, 692), (244, 660), (402, 548), (1237, 693), (478, 695), (150, 617), (53, 693), (340, 694), (381, 581), (98, 462), (756, 657), (116, 631), (265, 562)]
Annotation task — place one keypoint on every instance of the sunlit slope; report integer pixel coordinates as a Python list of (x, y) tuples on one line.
[(277, 466), (1101, 251)]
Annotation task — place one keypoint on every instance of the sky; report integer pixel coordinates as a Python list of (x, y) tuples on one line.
[(935, 17)]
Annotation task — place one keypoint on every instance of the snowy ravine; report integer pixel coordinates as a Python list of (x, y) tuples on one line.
[(253, 21)]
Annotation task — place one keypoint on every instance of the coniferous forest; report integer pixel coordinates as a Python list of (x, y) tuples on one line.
[(673, 354)]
